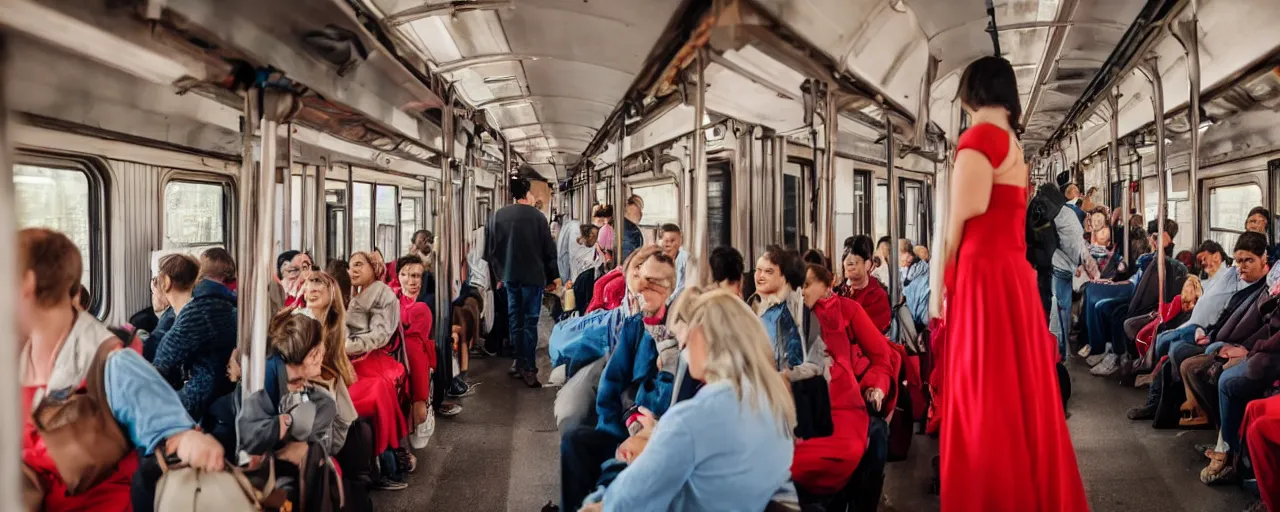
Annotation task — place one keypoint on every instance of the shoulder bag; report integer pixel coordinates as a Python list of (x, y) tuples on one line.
[(182, 488)]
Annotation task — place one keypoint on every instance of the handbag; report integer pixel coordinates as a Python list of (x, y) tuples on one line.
[(81, 435), (813, 403), (183, 488)]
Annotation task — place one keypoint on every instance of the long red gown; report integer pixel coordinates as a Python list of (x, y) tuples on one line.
[(1005, 445)]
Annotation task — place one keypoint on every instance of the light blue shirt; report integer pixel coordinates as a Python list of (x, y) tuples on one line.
[(682, 260), (1217, 293), (144, 404), (710, 452)]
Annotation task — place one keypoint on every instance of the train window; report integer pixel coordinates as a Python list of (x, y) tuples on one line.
[(388, 226), (913, 211), (882, 209), (409, 222), (295, 216), (361, 216), (661, 203), (194, 214), (1228, 208), (719, 191), (790, 210), (335, 211), (59, 199), (853, 215)]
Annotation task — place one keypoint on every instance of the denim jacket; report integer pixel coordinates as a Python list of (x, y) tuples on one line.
[(633, 365)]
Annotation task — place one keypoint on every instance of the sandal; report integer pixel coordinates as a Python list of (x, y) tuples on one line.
[(1218, 471)]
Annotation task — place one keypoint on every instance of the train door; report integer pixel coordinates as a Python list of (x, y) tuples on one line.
[(719, 193), (914, 224), (335, 211), (791, 180), (1227, 201), (853, 201)]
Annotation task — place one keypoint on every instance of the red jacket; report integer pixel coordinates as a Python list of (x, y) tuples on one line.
[(873, 299), (851, 336), (608, 291)]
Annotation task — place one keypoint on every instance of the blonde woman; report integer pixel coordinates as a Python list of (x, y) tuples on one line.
[(324, 303), (730, 443)]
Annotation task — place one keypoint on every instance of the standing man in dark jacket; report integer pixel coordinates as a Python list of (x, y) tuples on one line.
[(520, 248), (632, 238)]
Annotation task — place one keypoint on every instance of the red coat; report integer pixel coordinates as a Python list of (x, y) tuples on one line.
[(873, 299), (608, 292), (850, 334)]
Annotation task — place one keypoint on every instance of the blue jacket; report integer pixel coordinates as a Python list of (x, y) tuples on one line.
[(576, 342), (163, 324), (632, 366), (779, 323), (193, 355), (632, 238)]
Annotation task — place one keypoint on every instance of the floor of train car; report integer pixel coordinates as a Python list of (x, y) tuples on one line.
[(502, 453)]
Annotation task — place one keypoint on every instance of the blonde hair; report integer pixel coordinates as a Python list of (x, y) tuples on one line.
[(739, 351), (334, 332), (1189, 300)]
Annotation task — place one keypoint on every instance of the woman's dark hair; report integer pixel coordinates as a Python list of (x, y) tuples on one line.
[(520, 187), (337, 269), (821, 274), (1266, 216), (585, 229), (84, 298), (409, 259), (860, 246), (182, 269), (726, 264), (1213, 247), (420, 232), (603, 212), (789, 262), (283, 258), (815, 257), (991, 82), (294, 336), (1252, 242)]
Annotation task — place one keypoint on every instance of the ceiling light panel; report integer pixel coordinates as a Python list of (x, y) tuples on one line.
[(436, 37)]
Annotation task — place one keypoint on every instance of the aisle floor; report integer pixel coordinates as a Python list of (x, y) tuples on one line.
[(502, 453)]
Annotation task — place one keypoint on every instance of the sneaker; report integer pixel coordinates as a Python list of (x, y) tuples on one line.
[(1108, 367), (531, 379), (1206, 449), (405, 460), (459, 389), (1093, 360), (449, 409), (422, 433), (386, 483), (478, 351), (1146, 412), (1084, 351), (1219, 471), (514, 371)]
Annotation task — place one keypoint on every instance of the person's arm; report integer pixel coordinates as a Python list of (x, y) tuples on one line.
[(179, 346), (613, 382), (654, 478), (142, 402), (1090, 265), (973, 176), (383, 321), (814, 364), (794, 344), (549, 260), (874, 345)]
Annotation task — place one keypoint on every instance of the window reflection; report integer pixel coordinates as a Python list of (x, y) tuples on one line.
[(57, 199)]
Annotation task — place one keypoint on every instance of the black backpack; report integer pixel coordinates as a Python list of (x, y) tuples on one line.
[(1042, 235)]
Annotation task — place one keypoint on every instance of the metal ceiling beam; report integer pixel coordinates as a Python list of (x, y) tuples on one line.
[(445, 9), (752, 76), (551, 123), (534, 98), (548, 137), (495, 58), (1033, 25), (1049, 60)]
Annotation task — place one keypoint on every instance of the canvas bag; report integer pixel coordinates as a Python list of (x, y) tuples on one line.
[(186, 489)]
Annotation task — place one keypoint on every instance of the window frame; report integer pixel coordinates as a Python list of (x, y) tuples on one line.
[(97, 173), (228, 204), (1244, 179)]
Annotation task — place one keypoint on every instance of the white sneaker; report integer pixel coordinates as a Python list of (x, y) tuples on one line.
[(1109, 366), (422, 435), (1084, 351), (1093, 360)]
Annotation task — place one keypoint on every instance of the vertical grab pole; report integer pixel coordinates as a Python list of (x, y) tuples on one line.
[(10, 438), (619, 197), (699, 271), (1187, 33), (349, 219), (247, 274), (286, 192), (895, 279), (318, 218), (1113, 159), (444, 254), (263, 252), (779, 176), (1150, 66), (831, 127)]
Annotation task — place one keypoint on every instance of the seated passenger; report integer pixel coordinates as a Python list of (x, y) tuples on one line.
[(420, 350), (728, 447), (291, 266), (1111, 317), (217, 265), (672, 243), (193, 354), (727, 268), (879, 263), (1104, 295), (1224, 296), (611, 289), (860, 285), (340, 272), (59, 349), (770, 302), (642, 360), (584, 262), (324, 303), (1259, 221), (910, 265)]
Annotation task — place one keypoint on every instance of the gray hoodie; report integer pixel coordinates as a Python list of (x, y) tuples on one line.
[(1070, 240)]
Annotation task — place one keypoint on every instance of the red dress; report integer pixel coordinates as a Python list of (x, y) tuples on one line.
[(1005, 444), (1261, 432)]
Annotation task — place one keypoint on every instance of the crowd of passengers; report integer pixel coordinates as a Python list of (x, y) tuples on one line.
[(768, 389), (347, 387), (1208, 351)]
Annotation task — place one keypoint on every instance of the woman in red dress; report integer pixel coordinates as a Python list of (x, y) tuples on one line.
[(1005, 445)]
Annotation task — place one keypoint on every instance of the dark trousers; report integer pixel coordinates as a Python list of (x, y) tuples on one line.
[(356, 460), (1044, 281), (524, 306), (582, 450), (142, 490)]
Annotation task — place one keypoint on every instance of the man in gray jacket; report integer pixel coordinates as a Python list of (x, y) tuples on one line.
[(1065, 262)]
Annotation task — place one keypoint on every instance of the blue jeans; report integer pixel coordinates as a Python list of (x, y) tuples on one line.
[(1062, 308), (583, 450), (524, 306), (1094, 295), (1235, 391), (1166, 340)]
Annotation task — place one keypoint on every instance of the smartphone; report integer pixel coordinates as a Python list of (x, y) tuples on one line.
[(633, 420)]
